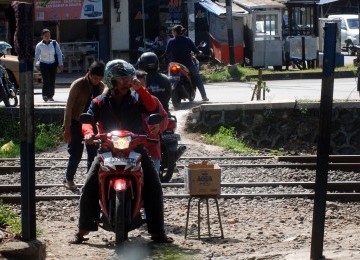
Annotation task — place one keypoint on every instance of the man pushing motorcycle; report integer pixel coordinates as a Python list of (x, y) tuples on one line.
[(118, 109)]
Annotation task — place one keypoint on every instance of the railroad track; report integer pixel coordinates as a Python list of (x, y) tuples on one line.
[(336, 190), (349, 190)]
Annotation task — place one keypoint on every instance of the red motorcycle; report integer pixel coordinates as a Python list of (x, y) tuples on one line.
[(121, 179)]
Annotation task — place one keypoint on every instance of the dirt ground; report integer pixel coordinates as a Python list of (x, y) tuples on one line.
[(266, 229)]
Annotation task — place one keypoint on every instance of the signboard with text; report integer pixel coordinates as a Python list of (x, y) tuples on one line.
[(57, 10)]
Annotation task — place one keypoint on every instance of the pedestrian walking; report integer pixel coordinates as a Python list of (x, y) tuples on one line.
[(48, 52)]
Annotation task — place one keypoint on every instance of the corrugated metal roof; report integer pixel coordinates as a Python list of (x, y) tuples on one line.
[(257, 4), (220, 10)]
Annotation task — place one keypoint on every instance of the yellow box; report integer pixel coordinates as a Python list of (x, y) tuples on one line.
[(202, 179)]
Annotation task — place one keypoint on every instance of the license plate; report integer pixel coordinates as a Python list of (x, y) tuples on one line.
[(175, 137), (119, 161)]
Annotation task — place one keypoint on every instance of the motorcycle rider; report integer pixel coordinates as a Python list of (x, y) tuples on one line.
[(154, 131), (82, 91), (179, 50), (114, 109), (157, 83)]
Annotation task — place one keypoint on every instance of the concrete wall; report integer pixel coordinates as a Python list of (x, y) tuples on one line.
[(281, 125)]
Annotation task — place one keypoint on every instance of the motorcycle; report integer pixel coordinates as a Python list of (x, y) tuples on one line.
[(170, 150), (155, 47), (121, 179), (182, 85), (8, 90)]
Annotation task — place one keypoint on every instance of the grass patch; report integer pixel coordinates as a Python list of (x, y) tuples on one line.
[(219, 73), (9, 220), (47, 136), (226, 138)]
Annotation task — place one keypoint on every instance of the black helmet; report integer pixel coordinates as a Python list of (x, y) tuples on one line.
[(117, 69), (148, 61)]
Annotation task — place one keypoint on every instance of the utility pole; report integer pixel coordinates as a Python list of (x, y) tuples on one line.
[(230, 31), (191, 19)]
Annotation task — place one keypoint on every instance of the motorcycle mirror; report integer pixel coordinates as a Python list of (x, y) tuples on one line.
[(154, 119), (86, 118), (202, 44)]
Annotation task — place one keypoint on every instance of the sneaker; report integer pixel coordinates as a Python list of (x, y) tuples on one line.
[(51, 99), (70, 185), (205, 99), (45, 98)]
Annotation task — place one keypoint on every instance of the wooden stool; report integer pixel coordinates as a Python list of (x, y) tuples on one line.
[(206, 199), (88, 59)]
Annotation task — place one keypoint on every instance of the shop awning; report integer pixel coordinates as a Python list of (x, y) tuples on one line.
[(219, 10)]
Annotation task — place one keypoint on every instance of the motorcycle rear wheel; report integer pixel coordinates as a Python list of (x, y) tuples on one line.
[(192, 95), (175, 99)]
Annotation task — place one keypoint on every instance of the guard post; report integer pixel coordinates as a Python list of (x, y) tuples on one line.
[(323, 150), (24, 34)]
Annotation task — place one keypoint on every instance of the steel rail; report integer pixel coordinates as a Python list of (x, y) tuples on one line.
[(310, 166), (297, 158), (346, 185), (330, 196), (339, 186)]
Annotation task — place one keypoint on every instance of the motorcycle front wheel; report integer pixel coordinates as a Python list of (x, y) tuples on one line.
[(13, 101), (3, 96), (120, 217), (167, 165)]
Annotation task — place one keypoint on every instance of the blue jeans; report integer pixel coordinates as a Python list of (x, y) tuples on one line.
[(76, 148), (197, 79)]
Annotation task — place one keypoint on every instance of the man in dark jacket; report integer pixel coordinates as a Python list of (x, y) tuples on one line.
[(82, 91), (157, 83)]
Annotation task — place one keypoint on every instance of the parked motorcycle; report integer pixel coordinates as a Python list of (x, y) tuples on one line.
[(170, 150), (182, 85), (155, 47), (121, 179), (8, 91)]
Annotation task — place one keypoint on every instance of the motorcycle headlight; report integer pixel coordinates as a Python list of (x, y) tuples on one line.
[(121, 142)]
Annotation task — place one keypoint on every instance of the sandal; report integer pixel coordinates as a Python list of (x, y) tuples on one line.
[(78, 239), (162, 239)]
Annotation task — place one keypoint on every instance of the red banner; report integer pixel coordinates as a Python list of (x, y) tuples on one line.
[(57, 10)]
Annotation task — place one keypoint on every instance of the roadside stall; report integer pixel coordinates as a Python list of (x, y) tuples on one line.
[(218, 35), (76, 26), (263, 32), (301, 42)]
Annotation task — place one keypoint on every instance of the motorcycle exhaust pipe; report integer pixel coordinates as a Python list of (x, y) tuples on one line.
[(180, 151)]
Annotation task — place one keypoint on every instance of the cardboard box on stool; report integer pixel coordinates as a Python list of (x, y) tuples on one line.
[(202, 179)]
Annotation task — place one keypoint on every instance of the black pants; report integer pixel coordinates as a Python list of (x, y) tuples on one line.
[(153, 197), (48, 73), (75, 150)]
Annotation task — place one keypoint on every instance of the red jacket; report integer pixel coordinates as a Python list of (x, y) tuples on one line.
[(154, 149)]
